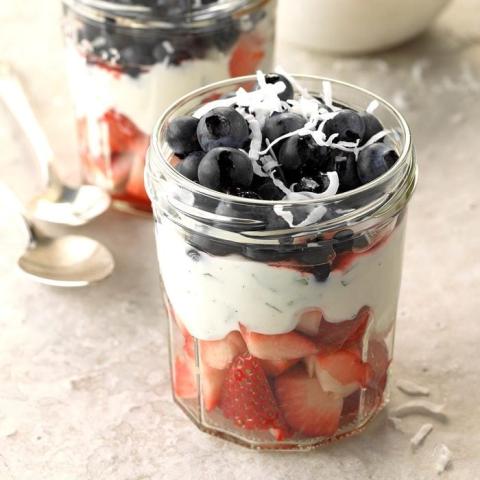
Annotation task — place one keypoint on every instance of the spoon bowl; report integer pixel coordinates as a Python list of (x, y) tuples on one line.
[(66, 261)]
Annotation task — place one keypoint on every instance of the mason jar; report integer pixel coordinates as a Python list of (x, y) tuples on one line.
[(295, 318), (127, 61)]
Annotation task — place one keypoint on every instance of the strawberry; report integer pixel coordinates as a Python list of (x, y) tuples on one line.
[(351, 407), (135, 185), (122, 132), (247, 398), (220, 353), (333, 336), (309, 321), (305, 406), (184, 381), (189, 345), (274, 368), (285, 346), (247, 55), (340, 372), (212, 382), (188, 340), (378, 359)]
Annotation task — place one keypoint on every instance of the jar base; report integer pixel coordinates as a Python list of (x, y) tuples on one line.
[(285, 446)]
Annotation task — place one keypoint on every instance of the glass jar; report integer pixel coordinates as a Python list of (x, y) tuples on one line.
[(128, 61), (281, 336)]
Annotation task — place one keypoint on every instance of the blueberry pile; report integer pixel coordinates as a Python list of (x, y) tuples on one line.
[(132, 49), (213, 150)]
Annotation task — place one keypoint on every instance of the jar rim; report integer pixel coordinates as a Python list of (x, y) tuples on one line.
[(144, 17), (159, 162)]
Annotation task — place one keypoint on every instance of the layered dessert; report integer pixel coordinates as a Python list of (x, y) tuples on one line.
[(129, 60), (281, 325)]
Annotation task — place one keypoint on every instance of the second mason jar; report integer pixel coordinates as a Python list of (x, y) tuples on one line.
[(281, 336), (128, 61)]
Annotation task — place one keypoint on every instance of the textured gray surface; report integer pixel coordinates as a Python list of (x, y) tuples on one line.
[(84, 391)]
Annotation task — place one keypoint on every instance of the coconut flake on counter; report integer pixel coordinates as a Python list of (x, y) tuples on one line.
[(420, 407), (412, 388), (421, 435), (444, 458)]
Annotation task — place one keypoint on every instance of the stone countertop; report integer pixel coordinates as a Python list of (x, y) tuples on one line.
[(84, 389)]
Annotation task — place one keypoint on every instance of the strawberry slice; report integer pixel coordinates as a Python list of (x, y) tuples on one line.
[(220, 353), (340, 372), (351, 407), (274, 368), (212, 381), (333, 336), (309, 321), (378, 359), (247, 398), (305, 406), (184, 382), (285, 346), (122, 132), (247, 55)]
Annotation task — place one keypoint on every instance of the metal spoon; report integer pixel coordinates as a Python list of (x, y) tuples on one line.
[(60, 203), (66, 261)]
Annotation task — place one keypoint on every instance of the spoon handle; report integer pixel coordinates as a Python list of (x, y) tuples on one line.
[(13, 94)]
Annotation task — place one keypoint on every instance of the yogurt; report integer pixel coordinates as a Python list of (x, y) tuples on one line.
[(214, 294)]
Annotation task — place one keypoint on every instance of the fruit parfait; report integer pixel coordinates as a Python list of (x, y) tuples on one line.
[(280, 220), (128, 60)]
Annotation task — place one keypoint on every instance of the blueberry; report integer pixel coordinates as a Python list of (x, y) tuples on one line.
[(212, 246), (245, 194), (268, 191), (272, 78), (182, 135), (308, 184), (193, 254), (225, 38), (316, 255), (302, 152), (374, 161), (346, 167), (188, 167), (222, 127), (267, 254), (282, 123), (136, 55), (372, 125), (223, 168), (348, 124), (343, 241), (321, 272)]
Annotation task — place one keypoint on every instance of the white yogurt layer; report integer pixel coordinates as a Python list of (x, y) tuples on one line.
[(142, 99), (213, 295)]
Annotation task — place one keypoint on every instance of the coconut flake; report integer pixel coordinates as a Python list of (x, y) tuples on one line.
[(411, 388), (396, 423), (303, 91), (285, 214), (327, 93), (374, 139), (421, 435), (372, 106), (444, 458), (420, 407)]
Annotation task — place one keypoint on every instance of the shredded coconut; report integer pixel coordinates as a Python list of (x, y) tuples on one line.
[(444, 458), (421, 435), (420, 407), (411, 388)]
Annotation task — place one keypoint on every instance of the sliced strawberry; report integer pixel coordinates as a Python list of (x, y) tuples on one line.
[(212, 382), (189, 345), (351, 407), (284, 346), (247, 55), (122, 132), (309, 321), (184, 381), (340, 372), (305, 406), (135, 185), (333, 336), (273, 368), (220, 353), (247, 398), (378, 359)]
